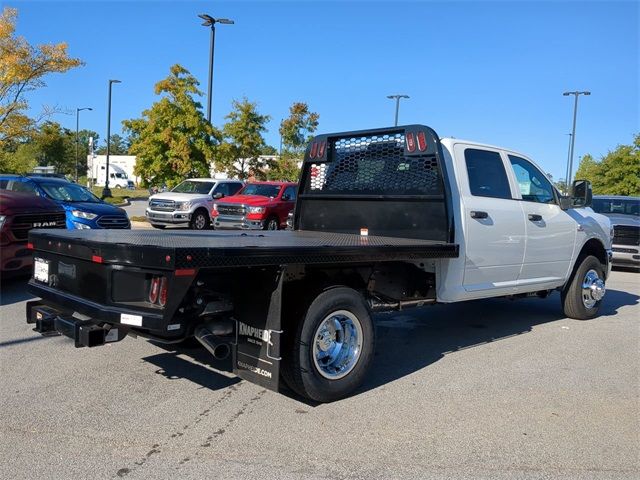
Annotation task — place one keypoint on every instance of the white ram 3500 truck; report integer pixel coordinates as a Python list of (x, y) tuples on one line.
[(385, 219)]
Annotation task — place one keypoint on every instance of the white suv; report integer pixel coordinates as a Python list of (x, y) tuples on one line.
[(189, 203)]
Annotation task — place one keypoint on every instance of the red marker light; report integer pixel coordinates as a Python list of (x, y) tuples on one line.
[(422, 141), (185, 272), (30, 246), (96, 259), (314, 150), (411, 142), (167, 258), (322, 146)]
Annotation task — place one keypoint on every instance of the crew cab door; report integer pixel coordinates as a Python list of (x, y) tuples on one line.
[(287, 202), (550, 231), (494, 227)]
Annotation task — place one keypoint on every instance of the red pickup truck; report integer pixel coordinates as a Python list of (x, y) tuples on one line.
[(19, 213), (258, 206)]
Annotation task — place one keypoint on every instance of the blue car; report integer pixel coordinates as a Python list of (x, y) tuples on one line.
[(82, 208)]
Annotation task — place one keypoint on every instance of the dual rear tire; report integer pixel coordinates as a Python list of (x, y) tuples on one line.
[(333, 347)]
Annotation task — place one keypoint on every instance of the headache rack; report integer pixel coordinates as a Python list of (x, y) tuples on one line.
[(389, 182)]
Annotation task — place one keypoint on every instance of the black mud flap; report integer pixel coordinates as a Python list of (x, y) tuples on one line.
[(256, 352)]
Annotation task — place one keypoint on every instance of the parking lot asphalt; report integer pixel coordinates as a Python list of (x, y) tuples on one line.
[(484, 389)]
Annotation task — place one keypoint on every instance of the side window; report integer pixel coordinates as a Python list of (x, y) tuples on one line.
[(234, 187), (222, 188), (487, 177), (290, 192), (534, 185)]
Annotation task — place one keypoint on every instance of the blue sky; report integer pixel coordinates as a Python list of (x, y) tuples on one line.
[(487, 71)]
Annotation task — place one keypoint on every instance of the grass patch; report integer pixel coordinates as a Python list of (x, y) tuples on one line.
[(138, 218), (123, 192)]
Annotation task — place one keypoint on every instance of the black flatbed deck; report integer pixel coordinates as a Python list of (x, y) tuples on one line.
[(191, 249)]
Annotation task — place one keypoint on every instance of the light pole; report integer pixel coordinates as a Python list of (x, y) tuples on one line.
[(78, 110), (397, 99), (106, 192), (566, 175), (209, 21), (573, 132)]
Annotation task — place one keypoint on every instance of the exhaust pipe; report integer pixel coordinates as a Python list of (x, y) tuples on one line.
[(216, 345)]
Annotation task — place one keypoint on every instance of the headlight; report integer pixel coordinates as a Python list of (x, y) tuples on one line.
[(255, 209), (85, 215), (2, 217), (183, 206), (215, 207), (81, 226), (612, 232)]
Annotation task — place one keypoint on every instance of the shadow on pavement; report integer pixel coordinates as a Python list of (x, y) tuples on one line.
[(196, 369), (411, 340), (14, 290), (407, 341)]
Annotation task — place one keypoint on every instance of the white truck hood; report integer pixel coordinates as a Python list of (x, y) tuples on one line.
[(180, 197)]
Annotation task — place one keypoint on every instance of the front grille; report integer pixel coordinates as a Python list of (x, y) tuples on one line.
[(113, 221), (231, 209), (23, 223), (162, 205), (626, 235)]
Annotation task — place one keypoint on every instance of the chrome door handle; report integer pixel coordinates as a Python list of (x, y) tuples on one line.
[(479, 215), (534, 217)]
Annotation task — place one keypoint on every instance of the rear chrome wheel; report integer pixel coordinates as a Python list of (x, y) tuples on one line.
[(332, 349), (337, 344)]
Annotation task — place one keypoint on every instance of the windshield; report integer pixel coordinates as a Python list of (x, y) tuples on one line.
[(616, 206), (189, 186), (69, 192), (121, 175), (261, 189)]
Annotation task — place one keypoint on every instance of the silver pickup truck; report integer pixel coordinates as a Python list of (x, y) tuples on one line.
[(189, 203)]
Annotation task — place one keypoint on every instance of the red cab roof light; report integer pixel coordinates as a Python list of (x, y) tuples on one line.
[(314, 150), (411, 142), (422, 141)]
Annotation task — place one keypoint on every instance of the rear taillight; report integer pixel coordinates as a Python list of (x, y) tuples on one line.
[(162, 300), (154, 290)]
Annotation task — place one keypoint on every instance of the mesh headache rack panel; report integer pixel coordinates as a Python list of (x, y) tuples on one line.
[(374, 165)]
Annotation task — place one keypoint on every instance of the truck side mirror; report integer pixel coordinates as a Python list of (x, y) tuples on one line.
[(218, 195), (581, 194)]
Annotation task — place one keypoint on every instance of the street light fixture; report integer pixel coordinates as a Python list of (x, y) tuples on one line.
[(209, 21), (573, 133), (106, 192), (78, 110), (397, 99)]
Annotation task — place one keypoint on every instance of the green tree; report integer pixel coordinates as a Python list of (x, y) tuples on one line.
[(617, 173), (172, 139), (22, 160), (22, 69), (297, 129), (55, 146), (285, 167), (117, 146), (239, 153), (620, 170)]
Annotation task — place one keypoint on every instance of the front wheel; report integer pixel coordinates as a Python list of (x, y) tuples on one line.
[(199, 220), (333, 346), (582, 296), (272, 224)]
